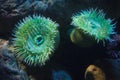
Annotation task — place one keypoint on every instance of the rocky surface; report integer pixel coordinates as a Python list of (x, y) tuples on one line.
[(113, 51), (111, 67), (9, 68)]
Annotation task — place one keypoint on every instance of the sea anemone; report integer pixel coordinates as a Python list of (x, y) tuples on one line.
[(94, 23), (35, 39)]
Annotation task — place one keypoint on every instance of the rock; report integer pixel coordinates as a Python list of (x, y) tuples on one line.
[(9, 68)]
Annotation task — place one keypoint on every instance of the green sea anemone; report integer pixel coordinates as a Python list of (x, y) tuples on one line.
[(94, 23), (35, 39)]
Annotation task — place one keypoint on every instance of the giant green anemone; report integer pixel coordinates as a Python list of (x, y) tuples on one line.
[(35, 39), (94, 23)]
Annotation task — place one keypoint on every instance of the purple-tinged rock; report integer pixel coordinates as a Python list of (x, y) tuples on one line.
[(9, 69), (111, 67), (113, 50)]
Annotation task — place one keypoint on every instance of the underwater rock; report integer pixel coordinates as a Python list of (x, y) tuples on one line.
[(11, 8), (94, 73), (60, 75), (113, 47), (111, 68), (104, 69), (9, 69)]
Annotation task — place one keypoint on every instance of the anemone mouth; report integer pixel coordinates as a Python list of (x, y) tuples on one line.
[(35, 39), (39, 40)]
